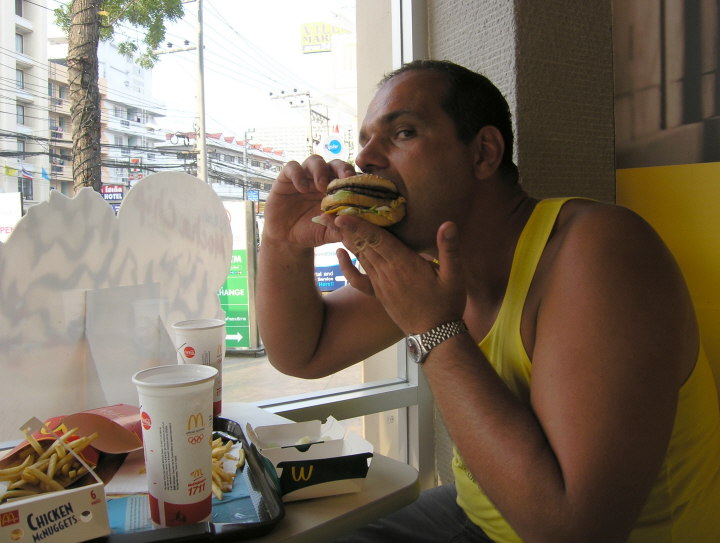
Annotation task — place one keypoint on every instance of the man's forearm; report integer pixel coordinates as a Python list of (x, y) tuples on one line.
[(289, 305)]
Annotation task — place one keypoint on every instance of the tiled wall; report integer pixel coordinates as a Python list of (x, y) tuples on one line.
[(553, 60)]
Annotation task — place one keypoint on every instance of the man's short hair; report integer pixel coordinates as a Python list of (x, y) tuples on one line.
[(472, 101)]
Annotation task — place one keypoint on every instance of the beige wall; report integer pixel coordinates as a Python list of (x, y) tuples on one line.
[(553, 60), (374, 49)]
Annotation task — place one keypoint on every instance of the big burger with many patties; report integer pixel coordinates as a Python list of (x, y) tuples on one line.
[(368, 196)]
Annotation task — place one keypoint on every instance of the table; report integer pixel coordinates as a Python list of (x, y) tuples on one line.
[(389, 485)]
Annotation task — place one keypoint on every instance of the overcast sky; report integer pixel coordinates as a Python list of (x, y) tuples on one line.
[(252, 48)]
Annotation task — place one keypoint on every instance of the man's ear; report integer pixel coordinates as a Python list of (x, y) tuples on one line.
[(489, 147)]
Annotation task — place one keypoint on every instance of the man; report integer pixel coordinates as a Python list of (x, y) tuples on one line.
[(567, 368)]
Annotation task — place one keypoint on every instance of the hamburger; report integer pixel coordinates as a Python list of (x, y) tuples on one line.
[(368, 196)]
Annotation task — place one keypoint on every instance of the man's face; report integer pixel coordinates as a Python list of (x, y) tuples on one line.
[(408, 138)]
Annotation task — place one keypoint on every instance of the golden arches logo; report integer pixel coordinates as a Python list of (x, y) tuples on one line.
[(11, 517), (61, 429), (196, 421), (300, 474)]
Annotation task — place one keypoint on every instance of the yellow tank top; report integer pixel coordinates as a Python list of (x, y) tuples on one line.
[(684, 504)]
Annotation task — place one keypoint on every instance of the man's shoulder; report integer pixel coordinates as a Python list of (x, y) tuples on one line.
[(594, 219), (589, 230)]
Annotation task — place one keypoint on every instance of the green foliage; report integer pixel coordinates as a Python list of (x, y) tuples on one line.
[(146, 15)]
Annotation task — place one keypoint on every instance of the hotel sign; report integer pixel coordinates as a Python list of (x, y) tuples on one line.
[(317, 37)]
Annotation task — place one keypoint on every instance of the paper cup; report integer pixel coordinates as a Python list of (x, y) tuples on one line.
[(177, 422), (202, 341)]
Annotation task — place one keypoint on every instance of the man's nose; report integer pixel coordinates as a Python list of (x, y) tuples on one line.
[(371, 157)]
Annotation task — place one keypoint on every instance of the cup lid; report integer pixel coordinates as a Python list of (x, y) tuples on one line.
[(198, 324), (174, 375)]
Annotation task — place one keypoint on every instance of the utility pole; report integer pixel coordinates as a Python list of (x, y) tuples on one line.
[(201, 139), (248, 134)]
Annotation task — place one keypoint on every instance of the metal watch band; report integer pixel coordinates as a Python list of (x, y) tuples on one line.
[(435, 336), (420, 345)]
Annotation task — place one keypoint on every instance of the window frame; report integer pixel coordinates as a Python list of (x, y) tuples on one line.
[(410, 392)]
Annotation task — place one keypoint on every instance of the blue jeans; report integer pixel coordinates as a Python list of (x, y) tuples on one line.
[(434, 517)]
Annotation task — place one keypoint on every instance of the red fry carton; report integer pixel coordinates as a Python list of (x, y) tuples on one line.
[(118, 428)]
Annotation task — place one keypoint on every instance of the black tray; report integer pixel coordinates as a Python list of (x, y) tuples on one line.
[(261, 483)]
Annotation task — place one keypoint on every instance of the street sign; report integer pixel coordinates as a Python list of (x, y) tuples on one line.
[(237, 295)]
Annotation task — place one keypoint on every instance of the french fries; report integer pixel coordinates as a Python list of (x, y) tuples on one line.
[(39, 469), (222, 480)]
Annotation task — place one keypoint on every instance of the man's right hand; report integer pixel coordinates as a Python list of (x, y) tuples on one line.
[(295, 199)]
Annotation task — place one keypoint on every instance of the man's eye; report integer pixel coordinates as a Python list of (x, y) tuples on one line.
[(405, 133)]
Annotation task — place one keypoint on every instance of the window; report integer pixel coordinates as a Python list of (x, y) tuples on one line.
[(19, 79), (25, 179), (19, 44), (318, 38), (20, 114), (19, 7), (25, 187), (325, 73)]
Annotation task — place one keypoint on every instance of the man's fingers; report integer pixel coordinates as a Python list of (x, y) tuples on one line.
[(353, 276), (448, 243), (341, 169)]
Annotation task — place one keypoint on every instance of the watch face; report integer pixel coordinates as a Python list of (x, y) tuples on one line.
[(414, 349)]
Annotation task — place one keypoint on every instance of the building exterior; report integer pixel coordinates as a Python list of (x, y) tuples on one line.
[(128, 120), (35, 126), (237, 168), (60, 141), (24, 100)]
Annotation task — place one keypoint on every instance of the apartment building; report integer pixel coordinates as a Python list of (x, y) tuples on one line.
[(237, 168), (35, 126), (129, 129), (24, 153)]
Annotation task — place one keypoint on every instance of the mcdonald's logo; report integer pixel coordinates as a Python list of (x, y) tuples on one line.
[(59, 430), (300, 474), (10, 517), (196, 421)]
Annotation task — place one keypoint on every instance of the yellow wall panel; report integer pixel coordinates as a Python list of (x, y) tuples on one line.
[(683, 204)]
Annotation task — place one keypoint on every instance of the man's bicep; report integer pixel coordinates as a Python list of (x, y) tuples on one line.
[(604, 381)]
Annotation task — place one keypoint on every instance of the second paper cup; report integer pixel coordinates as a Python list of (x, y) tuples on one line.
[(202, 341)]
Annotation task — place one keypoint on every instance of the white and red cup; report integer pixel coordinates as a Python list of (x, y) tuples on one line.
[(177, 425), (202, 341)]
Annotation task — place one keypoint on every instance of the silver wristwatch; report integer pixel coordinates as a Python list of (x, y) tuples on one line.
[(420, 345)]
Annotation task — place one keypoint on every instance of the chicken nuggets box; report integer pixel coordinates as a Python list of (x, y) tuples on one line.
[(66, 516), (313, 459), (62, 515)]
